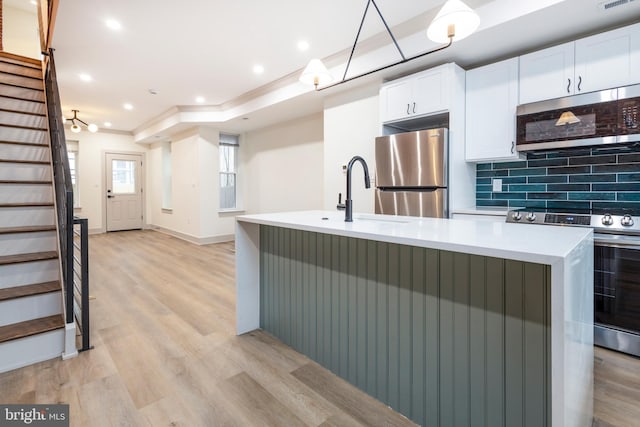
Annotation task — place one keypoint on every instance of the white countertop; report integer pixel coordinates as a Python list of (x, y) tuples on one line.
[(542, 244), (483, 210)]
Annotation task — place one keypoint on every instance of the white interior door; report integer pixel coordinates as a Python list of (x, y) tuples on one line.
[(124, 191)]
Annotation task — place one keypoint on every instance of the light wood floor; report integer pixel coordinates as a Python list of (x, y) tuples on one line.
[(165, 354)]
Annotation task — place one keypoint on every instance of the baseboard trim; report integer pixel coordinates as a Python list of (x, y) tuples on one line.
[(193, 239), (95, 231)]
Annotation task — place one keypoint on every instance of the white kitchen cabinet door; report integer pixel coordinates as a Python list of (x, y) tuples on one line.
[(608, 60), (396, 100), (416, 95), (547, 73), (430, 91), (491, 101)]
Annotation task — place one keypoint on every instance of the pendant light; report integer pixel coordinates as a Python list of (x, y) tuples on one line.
[(454, 21), (75, 123)]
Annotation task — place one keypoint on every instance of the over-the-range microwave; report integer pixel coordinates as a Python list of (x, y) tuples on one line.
[(597, 118)]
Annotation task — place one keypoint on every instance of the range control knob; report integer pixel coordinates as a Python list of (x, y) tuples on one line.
[(516, 216), (607, 219), (531, 217), (627, 221)]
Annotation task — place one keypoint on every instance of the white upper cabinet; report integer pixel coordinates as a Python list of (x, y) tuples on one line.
[(416, 95), (590, 64), (491, 101), (608, 60), (547, 73)]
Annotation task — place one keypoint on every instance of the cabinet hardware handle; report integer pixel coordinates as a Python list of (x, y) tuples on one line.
[(568, 85), (414, 108), (513, 147), (579, 83), (408, 106)]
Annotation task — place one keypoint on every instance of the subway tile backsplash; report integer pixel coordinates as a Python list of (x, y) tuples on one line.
[(580, 178)]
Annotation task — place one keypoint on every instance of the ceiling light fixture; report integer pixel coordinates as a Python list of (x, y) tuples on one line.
[(303, 45), (112, 24), (107, 124), (85, 77), (127, 106), (258, 69), (200, 99), (454, 21), (75, 127)]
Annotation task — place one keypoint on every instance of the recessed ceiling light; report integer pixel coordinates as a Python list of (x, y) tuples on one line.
[(258, 69), (85, 77), (200, 99), (303, 45), (113, 24), (107, 124), (34, 2), (128, 106)]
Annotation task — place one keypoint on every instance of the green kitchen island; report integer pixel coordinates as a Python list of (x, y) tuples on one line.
[(449, 322)]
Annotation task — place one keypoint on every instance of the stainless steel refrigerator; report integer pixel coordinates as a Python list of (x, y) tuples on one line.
[(412, 174)]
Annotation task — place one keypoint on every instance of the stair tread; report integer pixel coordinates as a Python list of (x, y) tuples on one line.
[(25, 181), (25, 204), (22, 127), (22, 99), (26, 76), (24, 61), (30, 257), (31, 327), (27, 229), (26, 113), (28, 162), (29, 144), (29, 290)]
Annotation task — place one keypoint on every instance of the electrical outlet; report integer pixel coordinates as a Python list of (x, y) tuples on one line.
[(497, 185)]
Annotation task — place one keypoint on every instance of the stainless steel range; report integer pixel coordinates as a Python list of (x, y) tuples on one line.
[(616, 270)]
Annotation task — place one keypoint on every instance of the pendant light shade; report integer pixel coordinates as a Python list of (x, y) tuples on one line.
[(316, 74), (455, 18), (75, 128)]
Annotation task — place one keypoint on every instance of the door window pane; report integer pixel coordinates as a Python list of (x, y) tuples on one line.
[(123, 180)]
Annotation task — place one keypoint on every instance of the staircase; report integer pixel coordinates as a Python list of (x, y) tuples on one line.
[(32, 327)]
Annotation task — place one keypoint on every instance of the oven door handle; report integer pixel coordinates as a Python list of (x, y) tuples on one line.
[(610, 242)]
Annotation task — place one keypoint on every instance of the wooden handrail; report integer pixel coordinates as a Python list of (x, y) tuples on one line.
[(47, 9)]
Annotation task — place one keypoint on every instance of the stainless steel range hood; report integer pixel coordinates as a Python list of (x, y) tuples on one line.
[(597, 118)]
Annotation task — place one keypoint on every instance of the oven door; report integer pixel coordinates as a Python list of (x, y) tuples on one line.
[(617, 292)]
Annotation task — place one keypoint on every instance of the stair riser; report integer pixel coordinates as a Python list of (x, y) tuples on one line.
[(19, 119), (21, 171), (22, 243), (22, 193), (18, 69), (27, 351), (23, 93), (24, 217), (23, 135), (14, 60), (24, 106), (21, 81), (28, 273), (29, 308), (22, 152)]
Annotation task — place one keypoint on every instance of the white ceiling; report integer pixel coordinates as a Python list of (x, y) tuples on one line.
[(183, 49)]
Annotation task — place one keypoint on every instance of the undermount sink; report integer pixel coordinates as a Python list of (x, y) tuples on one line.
[(376, 219)]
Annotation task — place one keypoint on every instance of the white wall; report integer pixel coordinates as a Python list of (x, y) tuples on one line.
[(351, 124), (91, 170), (282, 166), (20, 33), (194, 213)]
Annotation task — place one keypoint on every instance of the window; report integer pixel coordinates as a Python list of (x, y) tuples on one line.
[(228, 171), (72, 153)]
